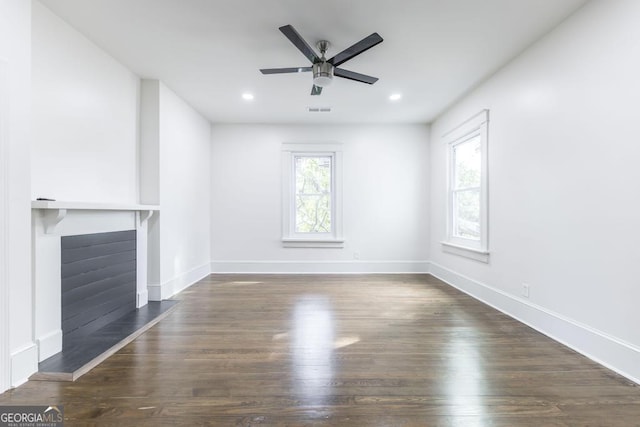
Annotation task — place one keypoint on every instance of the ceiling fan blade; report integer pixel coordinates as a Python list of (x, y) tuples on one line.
[(355, 50), (316, 90), (284, 70), (299, 42), (352, 75)]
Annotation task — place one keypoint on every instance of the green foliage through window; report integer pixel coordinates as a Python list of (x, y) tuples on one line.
[(313, 185), (466, 191)]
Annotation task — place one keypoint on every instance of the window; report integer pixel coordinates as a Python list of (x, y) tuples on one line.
[(467, 225), (465, 191), (312, 192), (312, 212)]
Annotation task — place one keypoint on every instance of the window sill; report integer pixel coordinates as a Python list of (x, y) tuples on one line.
[(312, 243), (463, 251)]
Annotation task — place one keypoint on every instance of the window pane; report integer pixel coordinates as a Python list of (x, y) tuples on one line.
[(313, 194), (467, 163), (313, 175), (466, 210), (313, 214)]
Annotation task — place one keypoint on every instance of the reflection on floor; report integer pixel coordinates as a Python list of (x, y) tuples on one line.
[(83, 353)]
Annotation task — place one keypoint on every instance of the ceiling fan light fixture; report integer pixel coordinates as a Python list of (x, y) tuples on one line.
[(322, 74)]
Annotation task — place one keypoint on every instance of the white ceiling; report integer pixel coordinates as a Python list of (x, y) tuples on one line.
[(209, 51)]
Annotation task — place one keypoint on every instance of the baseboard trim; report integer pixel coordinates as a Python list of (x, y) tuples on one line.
[(142, 298), (319, 267), (159, 292), (24, 363), (49, 344), (613, 353), (154, 291)]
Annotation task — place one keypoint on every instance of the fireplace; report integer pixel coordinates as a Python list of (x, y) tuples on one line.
[(98, 275), (89, 267)]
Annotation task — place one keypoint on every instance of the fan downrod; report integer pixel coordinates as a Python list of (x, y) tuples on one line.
[(323, 46)]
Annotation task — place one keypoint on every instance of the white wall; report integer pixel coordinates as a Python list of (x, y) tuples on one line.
[(563, 162), (178, 139), (185, 191), (19, 355), (385, 200), (85, 106)]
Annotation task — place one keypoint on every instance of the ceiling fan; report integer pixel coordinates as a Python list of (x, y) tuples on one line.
[(324, 69)]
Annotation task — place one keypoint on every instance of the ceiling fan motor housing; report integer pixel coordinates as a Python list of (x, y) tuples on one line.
[(322, 73)]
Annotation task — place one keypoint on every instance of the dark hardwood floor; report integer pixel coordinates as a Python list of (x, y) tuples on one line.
[(383, 350)]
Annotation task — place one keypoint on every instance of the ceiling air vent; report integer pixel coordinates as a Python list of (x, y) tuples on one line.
[(319, 109)]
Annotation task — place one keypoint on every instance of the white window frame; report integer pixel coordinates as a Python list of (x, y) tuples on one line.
[(470, 248), (291, 239)]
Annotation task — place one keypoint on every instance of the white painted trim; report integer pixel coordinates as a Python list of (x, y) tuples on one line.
[(51, 218), (313, 243), (312, 146), (291, 239), (605, 349), (54, 212), (159, 292), (471, 253), (142, 253), (476, 126), (5, 358), (24, 363), (154, 292), (49, 344), (320, 267), (473, 122), (142, 298), (53, 204)]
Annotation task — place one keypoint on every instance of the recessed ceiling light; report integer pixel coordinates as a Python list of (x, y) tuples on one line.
[(395, 97), (247, 96)]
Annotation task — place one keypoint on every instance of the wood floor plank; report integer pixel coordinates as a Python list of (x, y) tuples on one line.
[(374, 350)]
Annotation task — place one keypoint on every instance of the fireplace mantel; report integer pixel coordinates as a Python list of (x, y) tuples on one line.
[(55, 211), (54, 204)]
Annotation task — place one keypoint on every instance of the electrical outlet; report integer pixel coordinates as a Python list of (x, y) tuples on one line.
[(525, 290), (356, 255)]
